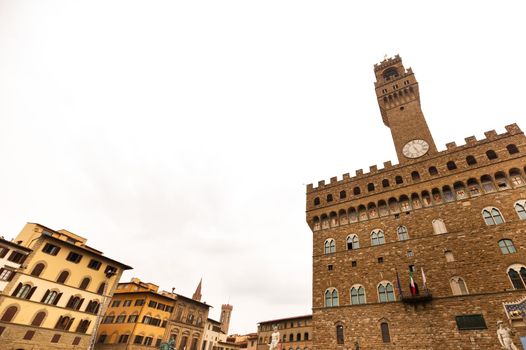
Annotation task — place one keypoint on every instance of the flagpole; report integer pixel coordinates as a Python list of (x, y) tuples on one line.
[(398, 282), (424, 280)]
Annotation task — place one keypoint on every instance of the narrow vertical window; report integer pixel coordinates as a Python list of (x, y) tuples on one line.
[(386, 337), (339, 334)]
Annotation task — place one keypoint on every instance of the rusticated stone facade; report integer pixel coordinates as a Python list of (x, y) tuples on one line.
[(454, 217)]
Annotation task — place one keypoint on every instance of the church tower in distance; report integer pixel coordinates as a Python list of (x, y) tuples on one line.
[(399, 101), (226, 312)]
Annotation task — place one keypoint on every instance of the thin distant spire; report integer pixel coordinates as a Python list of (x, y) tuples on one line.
[(197, 293)]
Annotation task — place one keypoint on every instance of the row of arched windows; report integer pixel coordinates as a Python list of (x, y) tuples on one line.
[(64, 276), (291, 337), (63, 322), (394, 206), (415, 175), (385, 291)]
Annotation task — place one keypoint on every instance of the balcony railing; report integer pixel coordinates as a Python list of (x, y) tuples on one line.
[(420, 298)]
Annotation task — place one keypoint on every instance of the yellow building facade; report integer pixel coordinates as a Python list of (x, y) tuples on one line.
[(140, 317), (56, 298)]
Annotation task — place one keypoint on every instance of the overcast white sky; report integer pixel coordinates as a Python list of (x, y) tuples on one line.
[(178, 136)]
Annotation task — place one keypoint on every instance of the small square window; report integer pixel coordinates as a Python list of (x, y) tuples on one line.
[(74, 257), (353, 263), (397, 216), (412, 268), (76, 341), (55, 338), (329, 267), (94, 264), (410, 253), (29, 335), (51, 249), (380, 260)]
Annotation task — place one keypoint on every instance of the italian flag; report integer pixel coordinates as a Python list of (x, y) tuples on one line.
[(412, 283)]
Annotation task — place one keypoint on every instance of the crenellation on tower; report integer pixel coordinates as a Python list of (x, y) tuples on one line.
[(459, 214)]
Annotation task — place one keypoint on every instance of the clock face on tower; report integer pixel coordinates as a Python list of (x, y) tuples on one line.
[(415, 148)]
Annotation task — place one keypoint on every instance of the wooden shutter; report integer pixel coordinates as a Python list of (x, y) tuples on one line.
[(70, 301), (17, 289), (31, 292), (57, 299), (70, 323), (45, 296), (80, 304)]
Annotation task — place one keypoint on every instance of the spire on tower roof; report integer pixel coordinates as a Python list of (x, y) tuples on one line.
[(197, 293)]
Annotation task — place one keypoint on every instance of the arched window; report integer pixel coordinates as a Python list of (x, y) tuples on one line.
[(333, 219), (385, 183), (63, 277), (324, 221), (471, 160), (394, 208), (93, 308), (426, 199), (343, 194), (38, 319), (37, 270), (316, 223), (317, 201), (491, 154), (85, 283), (492, 216), (415, 176), (377, 237), (390, 73), (356, 190), (458, 286), (449, 256), (399, 180), (331, 297), (437, 196), (362, 213), (487, 183), (9, 314), (439, 226), (448, 194), (330, 246), (384, 328), (433, 171), (460, 190), (24, 291), (516, 177), (343, 218), (291, 337), (451, 165), (357, 295), (517, 275), (339, 334), (512, 149), (101, 288), (298, 337), (306, 336), (383, 210), (353, 216), (329, 197), (402, 233), (353, 242), (51, 297), (501, 180), (520, 208), (371, 209), (385, 292), (506, 246), (474, 187), (404, 203), (370, 187), (415, 201)]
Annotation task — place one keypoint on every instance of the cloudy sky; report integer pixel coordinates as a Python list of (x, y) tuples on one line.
[(178, 136)]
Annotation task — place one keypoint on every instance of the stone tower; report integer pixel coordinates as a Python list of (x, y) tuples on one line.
[(399, 101), (197, 294), (425, 254), (226, 313)]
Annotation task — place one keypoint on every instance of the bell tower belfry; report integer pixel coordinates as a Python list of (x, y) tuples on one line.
[(399, 101)]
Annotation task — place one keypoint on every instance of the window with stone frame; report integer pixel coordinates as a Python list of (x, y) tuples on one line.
[(506, 246), (330, 246), (384, 328), (517, 276), (458, 286), (402, 232), (377, 237), (339, 334), (357, 295), (492, 216), (331, 297), (353, 242), (520, 208), (385, 292)]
